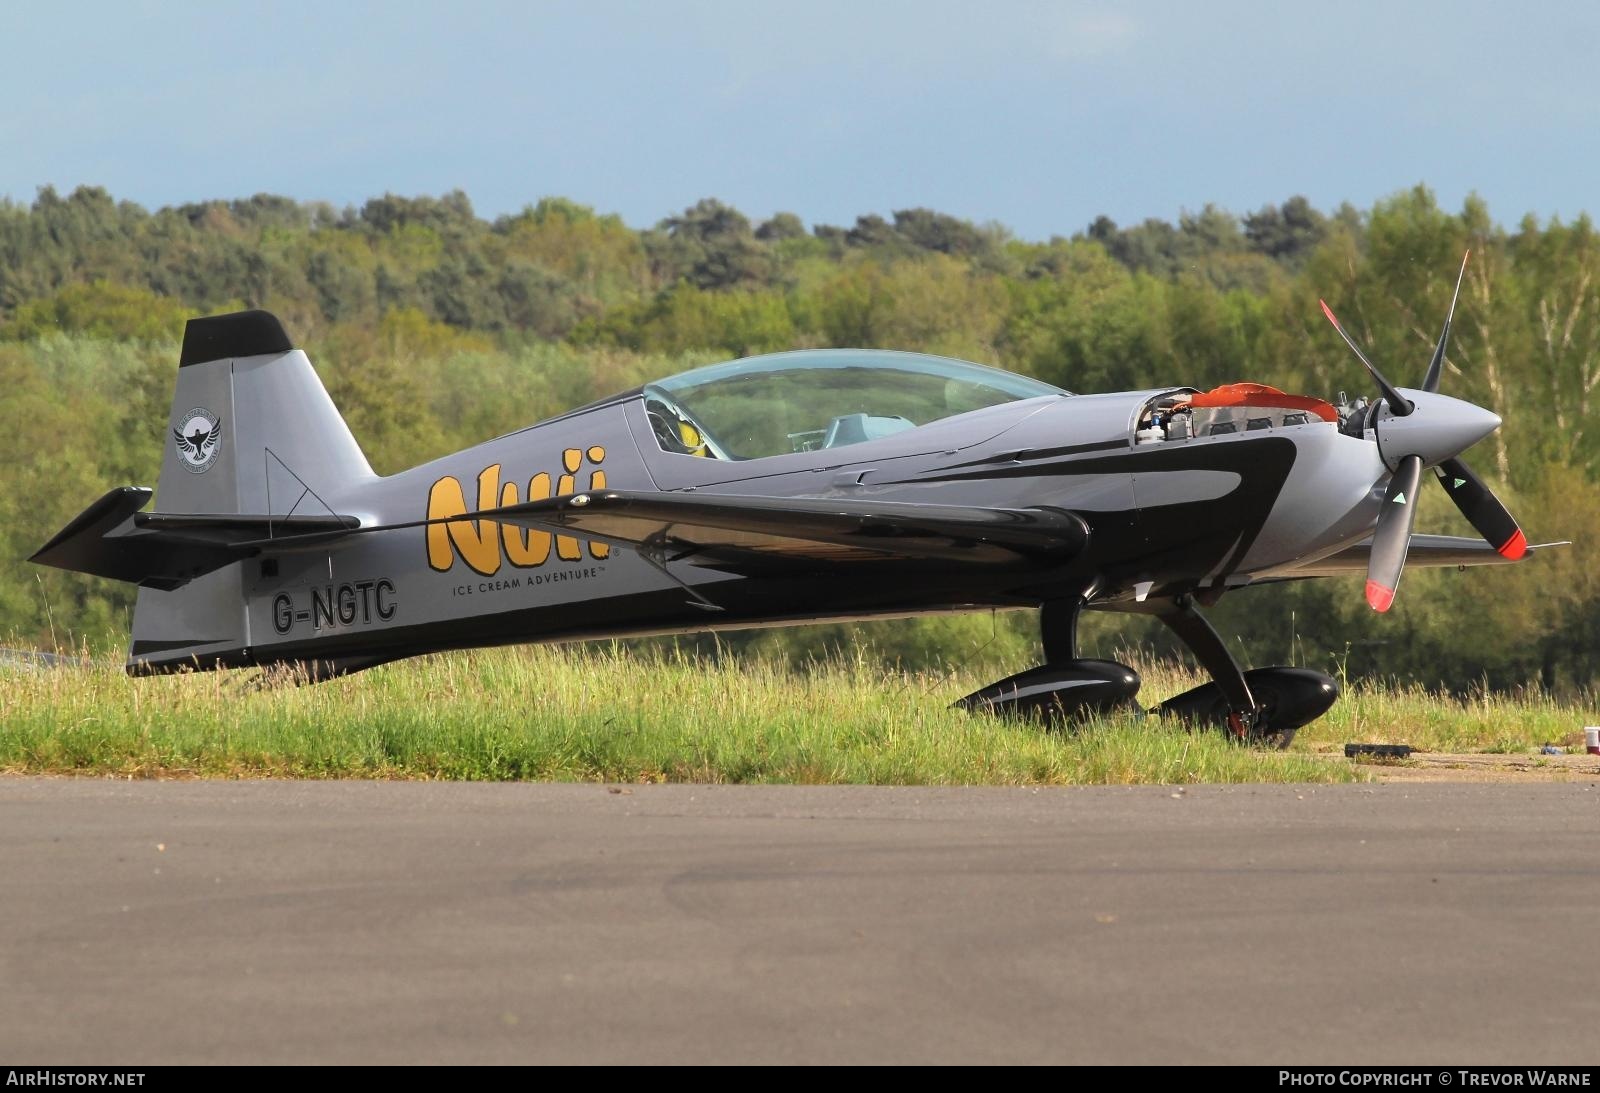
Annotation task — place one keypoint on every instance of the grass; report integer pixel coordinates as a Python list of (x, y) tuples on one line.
[(1483, 722), (606, 714)]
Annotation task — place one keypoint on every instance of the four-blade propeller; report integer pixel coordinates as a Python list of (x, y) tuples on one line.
[(1392, 537)]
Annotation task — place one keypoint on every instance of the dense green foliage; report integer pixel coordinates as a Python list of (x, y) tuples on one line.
[(434, 328)]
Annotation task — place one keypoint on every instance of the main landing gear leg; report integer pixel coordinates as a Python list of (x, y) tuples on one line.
[(1262, 706), (1066, 686), (1206, 645), (1058, 629)]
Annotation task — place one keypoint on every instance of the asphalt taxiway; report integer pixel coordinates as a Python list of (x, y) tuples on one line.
[(296, 922)]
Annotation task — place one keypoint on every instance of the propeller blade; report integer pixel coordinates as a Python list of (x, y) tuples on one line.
[(1392, 537), (1398, 404), (1482, 508), (1430, 382)]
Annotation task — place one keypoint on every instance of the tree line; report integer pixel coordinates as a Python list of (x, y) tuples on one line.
[(435, 328)]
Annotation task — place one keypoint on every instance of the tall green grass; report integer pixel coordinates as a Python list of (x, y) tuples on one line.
[(608, 714), (1480, 722)]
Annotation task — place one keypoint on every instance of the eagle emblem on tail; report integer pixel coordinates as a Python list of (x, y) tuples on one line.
[(196, 437)]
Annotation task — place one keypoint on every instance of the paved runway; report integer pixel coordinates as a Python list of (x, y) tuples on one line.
[(196, 922)]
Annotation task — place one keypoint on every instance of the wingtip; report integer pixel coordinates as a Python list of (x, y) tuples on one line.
[(1514, 547), (1379, 597)]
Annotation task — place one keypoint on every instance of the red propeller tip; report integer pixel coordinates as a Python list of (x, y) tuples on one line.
[(1328, 311), (1378, 596), (1514, 547)]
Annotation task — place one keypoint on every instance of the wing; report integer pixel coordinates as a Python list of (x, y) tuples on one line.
[(183, 443), (724, 530), (211, 439), (1426, 550), (112, 538)]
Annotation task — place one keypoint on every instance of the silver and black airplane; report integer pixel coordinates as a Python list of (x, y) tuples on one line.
[(796, 487)]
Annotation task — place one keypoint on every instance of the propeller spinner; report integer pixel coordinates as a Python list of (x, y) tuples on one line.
[(1421, 428)]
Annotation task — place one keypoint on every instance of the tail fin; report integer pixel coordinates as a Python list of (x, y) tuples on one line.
[(252, 429), (252, 433), (253, 447)]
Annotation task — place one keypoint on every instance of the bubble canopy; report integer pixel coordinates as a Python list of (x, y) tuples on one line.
[(821, 398)]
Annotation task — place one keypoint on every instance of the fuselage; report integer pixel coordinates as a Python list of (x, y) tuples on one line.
[(1166, 516)]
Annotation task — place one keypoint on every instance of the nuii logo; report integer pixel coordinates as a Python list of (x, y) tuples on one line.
[(487, 544), (196, 436)]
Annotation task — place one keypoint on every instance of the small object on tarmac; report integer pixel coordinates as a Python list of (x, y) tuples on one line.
[(1377, 751), (1591, 739), (1551, 749)]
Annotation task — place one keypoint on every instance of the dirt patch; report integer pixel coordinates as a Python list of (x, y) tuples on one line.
[(1480, 767)]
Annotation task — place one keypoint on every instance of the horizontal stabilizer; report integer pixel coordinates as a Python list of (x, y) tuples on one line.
[(236, 529), (112, 538), (711, 528)]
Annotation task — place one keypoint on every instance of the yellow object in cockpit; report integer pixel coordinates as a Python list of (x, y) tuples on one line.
[(693, 442)]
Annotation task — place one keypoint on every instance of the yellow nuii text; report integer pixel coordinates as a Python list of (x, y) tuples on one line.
[(486, 545)]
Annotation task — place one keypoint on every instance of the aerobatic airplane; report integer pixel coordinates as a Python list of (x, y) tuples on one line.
[(797, 487)]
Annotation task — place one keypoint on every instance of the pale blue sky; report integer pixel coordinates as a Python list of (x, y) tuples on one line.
[(1037, 115)]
